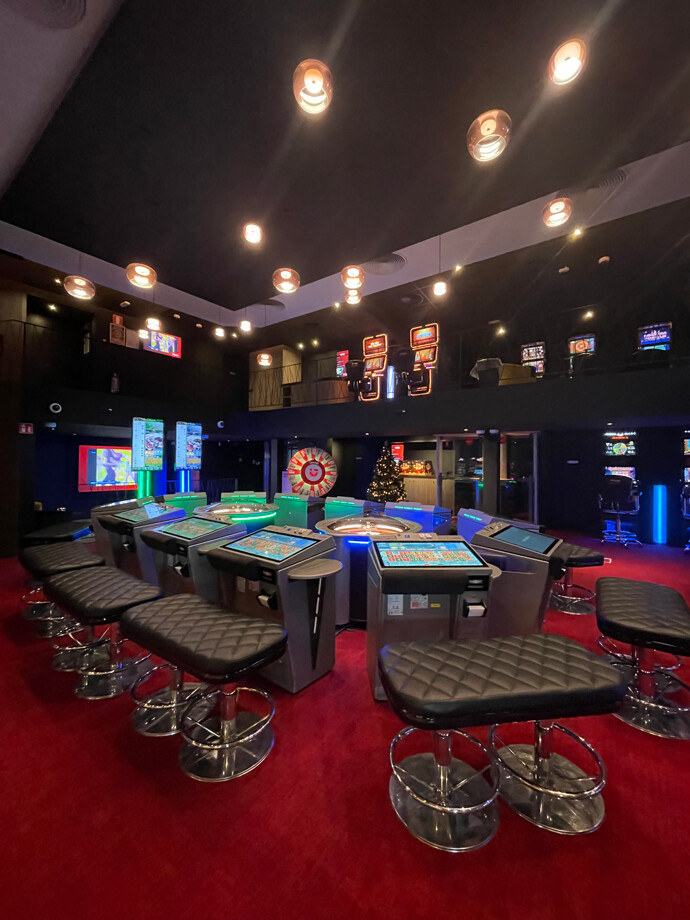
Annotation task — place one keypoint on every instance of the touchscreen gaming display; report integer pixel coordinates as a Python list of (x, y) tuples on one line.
[(191, 528), (620, 444), (516, 536), (374, 345), (536, 351), (426, 555), (582, 345), (188, 440), (267, 545), (426, 355), (424, 335), (372, 365), (628, 471), (147, 513), (654, 337), (148, 438)]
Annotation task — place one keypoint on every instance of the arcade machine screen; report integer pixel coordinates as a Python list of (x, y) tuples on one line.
[(105, 469), (341, 360), (375, 345), (686, 445), (422, 555), (628, 471), (528, 539), (534, 355), (426, 356), (266, 545), (188, 440), (375, 365), (620, 444), (686, 474), (424, 340), (148, 440), (191, 528), (147, 513), (656, 337), (582, 345)]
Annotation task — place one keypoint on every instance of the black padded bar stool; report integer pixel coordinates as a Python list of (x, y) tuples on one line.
[(97, 598), (63, 532), (42, 562), (444, 686), (648, 617), (223, 737), (567, 596)]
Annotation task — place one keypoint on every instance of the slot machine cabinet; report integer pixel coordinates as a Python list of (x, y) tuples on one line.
[(424, 342), (375, 353), (534, 355)]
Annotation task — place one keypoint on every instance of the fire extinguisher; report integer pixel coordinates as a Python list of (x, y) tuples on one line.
[(115, 383)]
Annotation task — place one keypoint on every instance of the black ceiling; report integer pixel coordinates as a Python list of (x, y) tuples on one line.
[(182, 126)]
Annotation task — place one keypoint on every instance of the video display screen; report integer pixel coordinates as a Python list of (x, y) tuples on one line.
[(147, 513), (628, 471), (188, 440), (341, 359), (105, 469), (374, 345), (424, 335), (654, 337), (536, 351), (686, 446), (528, 539), (686, 474), (537, 365), (620, 444), (374, 365), (582, 345), (191, 528), (148, 441), (426, 356), (267, 545), (400, 555), (164, 344)]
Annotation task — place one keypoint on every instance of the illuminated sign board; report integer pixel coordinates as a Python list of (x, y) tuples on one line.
[(164, 344)]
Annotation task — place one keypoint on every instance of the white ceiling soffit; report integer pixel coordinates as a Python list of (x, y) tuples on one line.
[(43, 46), (648, 183)]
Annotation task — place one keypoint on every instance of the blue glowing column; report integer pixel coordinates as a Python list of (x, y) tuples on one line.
[(659, 514)]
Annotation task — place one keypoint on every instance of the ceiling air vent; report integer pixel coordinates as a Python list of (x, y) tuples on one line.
[(385, 265), (53, 14)]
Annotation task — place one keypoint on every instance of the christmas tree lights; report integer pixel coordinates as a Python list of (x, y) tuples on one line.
[(387, 484)]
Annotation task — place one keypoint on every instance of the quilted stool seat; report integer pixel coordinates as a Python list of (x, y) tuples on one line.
[(447, 685), (95, 598), (649, 618), (41, 562), (223, 737), (63, 532), (567, 596)]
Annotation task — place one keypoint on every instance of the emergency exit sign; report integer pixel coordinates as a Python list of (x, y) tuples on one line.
[(26, 428)]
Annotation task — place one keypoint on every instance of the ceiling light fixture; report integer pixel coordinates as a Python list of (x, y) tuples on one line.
[(153, 324), (500, 331), (125, 303), (176, 316), (352, 296), (567, 62), (315, 343), (140, 275), (264, 359), (234, 335), (245, 325), (300, 345), (312, 85), (458, 268), (219, 332), (440, 289), (563, 269), (79, 287), (198, 325), (589, 314), (51, 306), (143, 333), (604, 259), (286, 280), (57, 281), (577, 232), (337, 304), (352, 276), (489, 135), (252, 233), (557, 212)]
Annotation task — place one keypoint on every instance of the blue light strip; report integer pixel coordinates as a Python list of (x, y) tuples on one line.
[(352, 542), (659, 523)]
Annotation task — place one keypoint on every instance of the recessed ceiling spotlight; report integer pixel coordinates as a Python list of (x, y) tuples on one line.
[(140, 275), (604, 259), (440, 289), (79, 287), (125, 303), (589, 314), (153, 324), (576, 232), (488, 135), (352, 296), (57, 280), (312, 85), (176, 315), (198, 325), (219, 332), (51, 306), (337, 304), (234, 335), (252, 233), (300, 345), (501, 330), (352, 276), (563, 269), (143, 333), (245, 325), (458, 268), (567, 62), (557, 212), (315, 343), (286, 280)]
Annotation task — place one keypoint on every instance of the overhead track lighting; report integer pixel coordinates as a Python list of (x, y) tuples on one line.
[(312, 85), (557, 212), (567, 62), (489, 135), (140, 275), (286, 280), (352, 276), (79, 287)]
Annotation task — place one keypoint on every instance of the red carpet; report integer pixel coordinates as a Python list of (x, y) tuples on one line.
[(100, 824)]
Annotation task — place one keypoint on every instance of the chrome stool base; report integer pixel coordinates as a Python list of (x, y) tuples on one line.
[(545, 787), (442, 800), (56, 627), (569, 598), (222, 741), (661, 714), (104, 678), (80, 653), (161, 713)]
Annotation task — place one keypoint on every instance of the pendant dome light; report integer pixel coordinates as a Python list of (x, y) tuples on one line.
[(567, 62), (440, 288), (141, 276), (245, 325), (489, 135), (252, 233), (286, 280), (557, 212), (352, 276), (264, 359), (352, 296), (312, 84), (79, 287)]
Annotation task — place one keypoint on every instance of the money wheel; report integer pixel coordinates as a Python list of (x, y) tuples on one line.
[(312, 472)]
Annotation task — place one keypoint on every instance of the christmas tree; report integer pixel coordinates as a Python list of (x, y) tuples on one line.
[(387, 484)]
